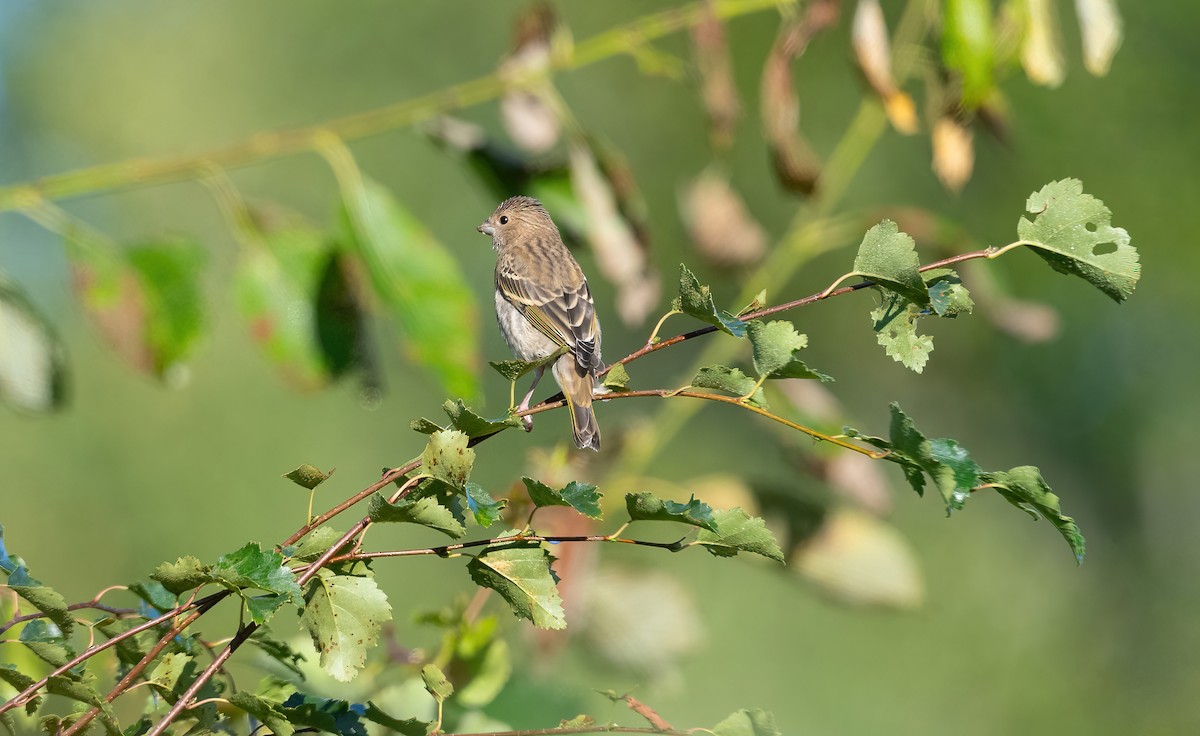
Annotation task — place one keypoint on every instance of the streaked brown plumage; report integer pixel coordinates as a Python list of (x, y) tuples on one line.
[(543, 303)]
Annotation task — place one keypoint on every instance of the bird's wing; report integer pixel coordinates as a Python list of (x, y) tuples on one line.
[(564, 313)]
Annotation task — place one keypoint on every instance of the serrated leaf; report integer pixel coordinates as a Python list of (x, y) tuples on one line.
[(46, 641), (167, 671), (19, 681), (254, 567), (889, 258), (448, 458), (83, 692), (617, 377), (419, 281), (425, 511), (514, 369), (342, 614), (436, 683), (44, 598), (730, 381), (269, 713), (1073, 232), (155, 594), (325, 714), (697, 301), (520, 572), (308, 476), (895, 325), (967, 47), (473, 425), (648, 507), (33, 363), (315, 543), (773, 344), (583, 497), (484, 508), (404, 727), (948, 297), (278, 650), (945, 461), (1025, 488), (736, 531), (182, 575), (747, 723), (277, 282), (424, 426)]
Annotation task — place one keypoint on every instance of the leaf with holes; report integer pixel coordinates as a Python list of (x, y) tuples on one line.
[(1073, 232), (520, 572), (895, 325), (342, 614)]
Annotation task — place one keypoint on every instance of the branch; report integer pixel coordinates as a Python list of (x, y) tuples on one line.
[(598, 728), (118, 612), (265, 146), (446, 549)]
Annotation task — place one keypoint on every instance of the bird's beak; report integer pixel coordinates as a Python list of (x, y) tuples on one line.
[(487, 228)]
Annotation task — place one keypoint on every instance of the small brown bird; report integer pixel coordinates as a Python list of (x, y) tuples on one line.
[(543, 304)]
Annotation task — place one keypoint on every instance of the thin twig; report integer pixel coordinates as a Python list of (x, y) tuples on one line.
[(118, 612), (446, 549)]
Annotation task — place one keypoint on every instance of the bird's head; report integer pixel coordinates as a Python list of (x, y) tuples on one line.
[(514, 219)]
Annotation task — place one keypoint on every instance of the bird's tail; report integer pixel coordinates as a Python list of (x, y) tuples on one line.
[(577, 385)]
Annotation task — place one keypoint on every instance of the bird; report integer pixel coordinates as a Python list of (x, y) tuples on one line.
[(543, 305)]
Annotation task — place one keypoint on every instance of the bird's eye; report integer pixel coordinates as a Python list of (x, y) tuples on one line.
[(503, 219)]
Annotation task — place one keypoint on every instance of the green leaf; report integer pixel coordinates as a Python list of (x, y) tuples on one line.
[(324, 714), (277, 282), (308, 476), (169, 274), (473, 425), (486, 661), (46, 641), (83, 692), (520, 572), (182, 575), (730, 381), (130, 650), (315, 543), (155, 594), (424, 426), (268, 713), (617, 377), (485, 508), (514, 369), (44, 598), (948, 297), (280, 651), (342, 614), (735, 531), (404, 727), (580, 721), (888, 257), (419, 281), (697, 301), (254, 567), (946, 462), (648, 507), (773, 344), (448, 458), (583, 497), (967, 47), (19, 681), (425, 511), (165, 677), (436, 683), (33, 363), (1025, 488), (139, 728), (1073, 232), (895, 325), (747, 723)]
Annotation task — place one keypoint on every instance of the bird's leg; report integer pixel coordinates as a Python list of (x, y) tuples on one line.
[(527, 421)]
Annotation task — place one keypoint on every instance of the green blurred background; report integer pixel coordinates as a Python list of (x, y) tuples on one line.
[(1012, 637)]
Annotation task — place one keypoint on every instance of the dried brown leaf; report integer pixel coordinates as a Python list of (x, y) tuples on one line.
[(953, 153), (720, 226), (718, 90)]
